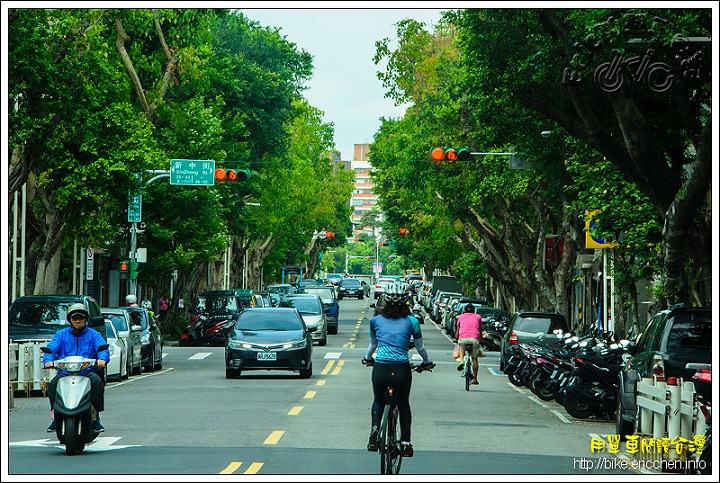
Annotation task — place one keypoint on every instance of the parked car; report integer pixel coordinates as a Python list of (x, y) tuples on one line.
[(280, 289), (351, 287), (330, 301), (38, 317), (457, 309), (130, 333), (117, 367), (543, 329), (380, 285), (448, 311), (312, 311), (672, 339), (150, 336), (270, 338)]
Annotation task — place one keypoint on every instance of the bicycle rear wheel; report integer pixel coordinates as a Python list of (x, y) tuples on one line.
[(382, 440), (467, 373), (394, 456)]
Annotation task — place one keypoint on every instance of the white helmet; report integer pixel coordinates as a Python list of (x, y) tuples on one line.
[(130, 299), (146, 304)]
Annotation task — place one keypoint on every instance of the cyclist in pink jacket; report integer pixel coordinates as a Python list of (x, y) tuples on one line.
[(469, 331)]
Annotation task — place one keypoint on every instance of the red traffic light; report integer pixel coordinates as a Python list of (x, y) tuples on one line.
[(403, 231), (222, 174), (123, 267), (451, 154)]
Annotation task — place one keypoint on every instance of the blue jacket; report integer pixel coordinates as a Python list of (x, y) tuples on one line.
[(65, 343)]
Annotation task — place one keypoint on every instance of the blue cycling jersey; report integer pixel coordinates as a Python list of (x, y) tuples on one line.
[(393, 337)]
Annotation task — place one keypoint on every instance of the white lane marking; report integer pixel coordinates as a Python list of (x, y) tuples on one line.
[(200, 355)]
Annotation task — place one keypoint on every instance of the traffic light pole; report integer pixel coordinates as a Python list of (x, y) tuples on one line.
[(134, 230)]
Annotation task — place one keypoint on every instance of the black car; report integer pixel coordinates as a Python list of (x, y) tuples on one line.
[(350, 287), (150, 336), (544, 329), (672, 339), (269, 338), (39, 317)]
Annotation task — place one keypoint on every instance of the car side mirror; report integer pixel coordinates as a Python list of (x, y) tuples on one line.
[(136, 328), (98, 321), (632, 348)]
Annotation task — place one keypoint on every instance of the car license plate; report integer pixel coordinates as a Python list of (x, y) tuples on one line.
[(267, 356)]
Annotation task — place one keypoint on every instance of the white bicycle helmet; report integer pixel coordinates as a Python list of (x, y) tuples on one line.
[(396, 294)]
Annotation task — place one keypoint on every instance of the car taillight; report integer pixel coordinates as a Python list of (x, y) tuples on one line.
[(658, 370), (513, 338)]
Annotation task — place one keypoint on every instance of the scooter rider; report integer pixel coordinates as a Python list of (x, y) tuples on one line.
[(131, 300), (78, 340)]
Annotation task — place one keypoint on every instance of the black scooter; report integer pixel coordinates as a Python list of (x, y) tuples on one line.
[(593, 390)]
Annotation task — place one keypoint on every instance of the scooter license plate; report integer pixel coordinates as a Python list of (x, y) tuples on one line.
[(266, 356)]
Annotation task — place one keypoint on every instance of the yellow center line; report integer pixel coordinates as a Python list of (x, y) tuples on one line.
[(230, 469), (295, 411), (349, 345), (321, 382), (328, 366), (254, 468), (339, 366), (274, 437), (309, 395)]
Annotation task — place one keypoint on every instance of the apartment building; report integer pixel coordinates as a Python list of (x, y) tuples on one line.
[(362, 199)]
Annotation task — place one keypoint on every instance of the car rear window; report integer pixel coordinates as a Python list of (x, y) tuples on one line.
[(325, 294), (304, 305), (540, 324), (349, 282), (39, 313), (118, 321), (687, 334)]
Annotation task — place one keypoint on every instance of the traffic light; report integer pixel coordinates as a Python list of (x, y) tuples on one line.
[(133, 270), (451, 154), (124, 269), (403, 231), (329, 235), (223, 174)]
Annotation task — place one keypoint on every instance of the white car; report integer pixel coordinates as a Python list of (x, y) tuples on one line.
[(131, 335), (312, 312), (116, 369)]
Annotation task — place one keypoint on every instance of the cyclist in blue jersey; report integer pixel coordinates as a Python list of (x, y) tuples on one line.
[(391, 333)]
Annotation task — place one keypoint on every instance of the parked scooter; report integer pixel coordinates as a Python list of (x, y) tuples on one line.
[(204, 329), (594, 389), (73, 411)]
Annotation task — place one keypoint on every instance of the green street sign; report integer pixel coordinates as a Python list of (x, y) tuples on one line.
[(192, 172), (135, 207)]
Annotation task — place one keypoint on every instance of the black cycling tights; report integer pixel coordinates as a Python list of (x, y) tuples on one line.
[(400, 377)]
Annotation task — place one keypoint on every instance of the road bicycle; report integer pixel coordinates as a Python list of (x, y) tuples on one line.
[(467, 372), (389, 430)]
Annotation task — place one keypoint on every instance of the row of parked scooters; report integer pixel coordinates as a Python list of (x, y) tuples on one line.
[(582, 375)]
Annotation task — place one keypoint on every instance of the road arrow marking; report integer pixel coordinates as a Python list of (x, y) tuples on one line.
[(100, 444)]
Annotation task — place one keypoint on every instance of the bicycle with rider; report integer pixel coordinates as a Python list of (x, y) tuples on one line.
[(469, 331), (391, 333)]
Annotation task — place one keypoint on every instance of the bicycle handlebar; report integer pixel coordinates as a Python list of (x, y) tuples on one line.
[(414, 367)]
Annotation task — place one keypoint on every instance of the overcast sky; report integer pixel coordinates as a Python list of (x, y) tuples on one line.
[(342, 42)]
